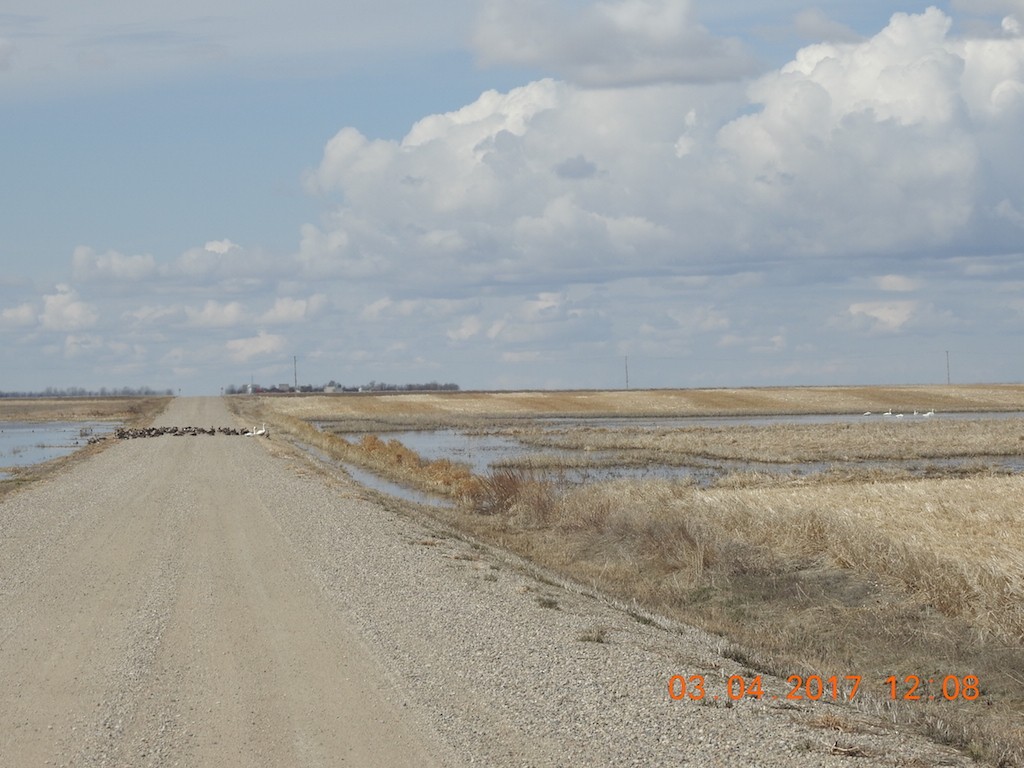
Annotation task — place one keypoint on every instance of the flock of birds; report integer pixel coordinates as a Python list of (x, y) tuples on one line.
[(900, 415), (126, 433)]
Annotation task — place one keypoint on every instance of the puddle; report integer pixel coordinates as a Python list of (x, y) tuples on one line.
[(377, 483), (482, 452), (23, 443)]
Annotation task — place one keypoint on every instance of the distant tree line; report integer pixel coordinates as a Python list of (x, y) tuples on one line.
[(333, 386), (83, 392)]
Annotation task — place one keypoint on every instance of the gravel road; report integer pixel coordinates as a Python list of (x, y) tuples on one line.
[(223, 601)]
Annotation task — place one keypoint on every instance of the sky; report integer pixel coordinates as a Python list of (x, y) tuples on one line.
[(510, 194)]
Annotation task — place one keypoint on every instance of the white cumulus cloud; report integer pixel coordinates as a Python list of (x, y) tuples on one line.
[(64, 311), (87, 264), (82, 345), (260, 346), (468, 328), (289, 310), (886, 316), (214, 314), (875, 146), (220, 246), (20, 316)]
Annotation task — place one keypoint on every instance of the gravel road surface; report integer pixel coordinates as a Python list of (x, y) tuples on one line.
[(224, 601)]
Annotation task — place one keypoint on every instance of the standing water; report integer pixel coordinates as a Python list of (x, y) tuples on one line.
[(24, 443)]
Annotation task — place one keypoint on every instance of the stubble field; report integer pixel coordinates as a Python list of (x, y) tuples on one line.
[(121, 409), (899, 556)]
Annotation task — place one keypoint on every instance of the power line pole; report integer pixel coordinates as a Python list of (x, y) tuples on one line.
[(627, 371), (947, 367), (295, 366)]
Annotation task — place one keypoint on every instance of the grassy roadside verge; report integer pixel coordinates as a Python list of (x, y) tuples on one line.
[(866, 573)]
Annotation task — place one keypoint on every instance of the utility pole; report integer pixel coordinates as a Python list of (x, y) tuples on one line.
[(295, 366), (627, 371), (947, 367)]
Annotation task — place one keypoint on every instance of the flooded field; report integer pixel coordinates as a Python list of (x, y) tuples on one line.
[(578, 450), (23, 444), (38, 430)]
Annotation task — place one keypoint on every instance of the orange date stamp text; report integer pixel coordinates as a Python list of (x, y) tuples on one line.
[(825, 688)]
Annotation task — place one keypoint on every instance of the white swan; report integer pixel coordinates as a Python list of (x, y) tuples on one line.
[(249, 432), (262, 430), (888, 413)]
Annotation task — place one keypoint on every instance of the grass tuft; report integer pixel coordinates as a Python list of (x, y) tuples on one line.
[(595, 635)]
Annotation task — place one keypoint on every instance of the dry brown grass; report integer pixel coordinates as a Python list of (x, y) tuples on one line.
[(925, 578), (845, 573)]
